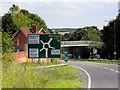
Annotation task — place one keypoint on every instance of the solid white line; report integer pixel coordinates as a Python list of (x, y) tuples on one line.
[(89, 78)]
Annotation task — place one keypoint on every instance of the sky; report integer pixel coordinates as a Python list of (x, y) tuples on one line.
[(68, 13)]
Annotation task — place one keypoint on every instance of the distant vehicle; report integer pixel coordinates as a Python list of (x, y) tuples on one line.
[(97, 56)]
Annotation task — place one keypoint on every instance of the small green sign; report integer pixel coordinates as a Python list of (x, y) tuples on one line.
[(66, 56), (44, 46)]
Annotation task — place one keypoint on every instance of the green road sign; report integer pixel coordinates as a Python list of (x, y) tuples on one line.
[(66, 56), (44, 46)]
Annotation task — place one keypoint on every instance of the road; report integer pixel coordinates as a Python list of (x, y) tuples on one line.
[(97, 75)]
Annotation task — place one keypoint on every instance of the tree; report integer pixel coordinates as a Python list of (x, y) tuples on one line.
[(8, 24), (7, 44), (91, 33), (14, 9), (117, 27), (87, 33), (111, 34), (16, 18)]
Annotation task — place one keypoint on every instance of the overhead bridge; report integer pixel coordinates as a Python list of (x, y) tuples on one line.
[(81, 43)]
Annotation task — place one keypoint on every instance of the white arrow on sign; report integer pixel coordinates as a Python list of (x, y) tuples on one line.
[(46, 45)]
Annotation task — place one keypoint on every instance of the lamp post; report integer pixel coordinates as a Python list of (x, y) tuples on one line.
[(114, 40)]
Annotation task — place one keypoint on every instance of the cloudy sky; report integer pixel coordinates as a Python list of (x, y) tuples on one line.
[(67, 13)]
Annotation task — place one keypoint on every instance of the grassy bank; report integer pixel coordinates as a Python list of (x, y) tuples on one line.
[(36, 64), (117, 62), (20, 76)]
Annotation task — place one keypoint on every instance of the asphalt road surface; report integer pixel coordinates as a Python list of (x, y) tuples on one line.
[(97, 75)]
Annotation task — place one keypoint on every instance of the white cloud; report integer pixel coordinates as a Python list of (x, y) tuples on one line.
[(67, 14)]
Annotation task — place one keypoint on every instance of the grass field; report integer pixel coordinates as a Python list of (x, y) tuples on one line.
[(20, 76)]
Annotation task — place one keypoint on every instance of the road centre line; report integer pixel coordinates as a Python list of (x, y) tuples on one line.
[(106, 68), (89, 78), (108, 64), (111, 69)]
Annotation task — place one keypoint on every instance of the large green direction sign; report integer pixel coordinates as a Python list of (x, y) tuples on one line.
[(44, 46)]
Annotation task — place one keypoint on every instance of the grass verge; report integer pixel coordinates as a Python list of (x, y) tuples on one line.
[(117, 62), (20, 76), (35, 64)]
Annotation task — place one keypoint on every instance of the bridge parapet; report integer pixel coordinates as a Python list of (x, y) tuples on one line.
[(81, 43)]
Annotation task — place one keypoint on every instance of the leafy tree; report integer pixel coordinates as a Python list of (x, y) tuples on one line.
[(8, 24), (78, 34), (7, 44), (91, 33), (35, 19), (17, 18), (14, 9), (21, 20), (117, 27), (87, 33), (111, 34)]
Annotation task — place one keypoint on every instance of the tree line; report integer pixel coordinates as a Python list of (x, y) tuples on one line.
[(111, 39), (16, 18), (13, 20)]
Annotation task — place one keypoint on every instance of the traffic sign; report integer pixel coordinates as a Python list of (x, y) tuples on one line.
[(66, 56), (44, 46), (94, 51)]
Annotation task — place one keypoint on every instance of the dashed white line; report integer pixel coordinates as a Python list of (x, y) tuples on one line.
[(116, 71), (111, 69), (89, 78), (100, 67), (105, 68)]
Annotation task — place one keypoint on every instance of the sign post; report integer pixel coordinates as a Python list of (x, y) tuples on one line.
[(44, 46)]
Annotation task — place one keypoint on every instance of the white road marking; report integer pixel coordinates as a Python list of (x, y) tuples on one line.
[(116, 71), (100, 67), (107, 64), (105, 68), (111, 69), (96, 66), (89, 78)]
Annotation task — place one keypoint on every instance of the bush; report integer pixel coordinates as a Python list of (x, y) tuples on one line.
[(7, 61)]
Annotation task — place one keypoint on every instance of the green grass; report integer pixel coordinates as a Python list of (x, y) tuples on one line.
[(35, 64), (20, 76), (99, 61)]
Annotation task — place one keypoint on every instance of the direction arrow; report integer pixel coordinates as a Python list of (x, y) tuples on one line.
[(46, 46)]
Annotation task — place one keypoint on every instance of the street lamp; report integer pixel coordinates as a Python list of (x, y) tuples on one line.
[(114, 40)]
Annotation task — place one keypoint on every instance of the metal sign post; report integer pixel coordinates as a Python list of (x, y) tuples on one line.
[(44, 46)]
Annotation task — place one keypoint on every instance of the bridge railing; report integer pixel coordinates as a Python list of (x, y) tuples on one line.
[(81, 43)]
